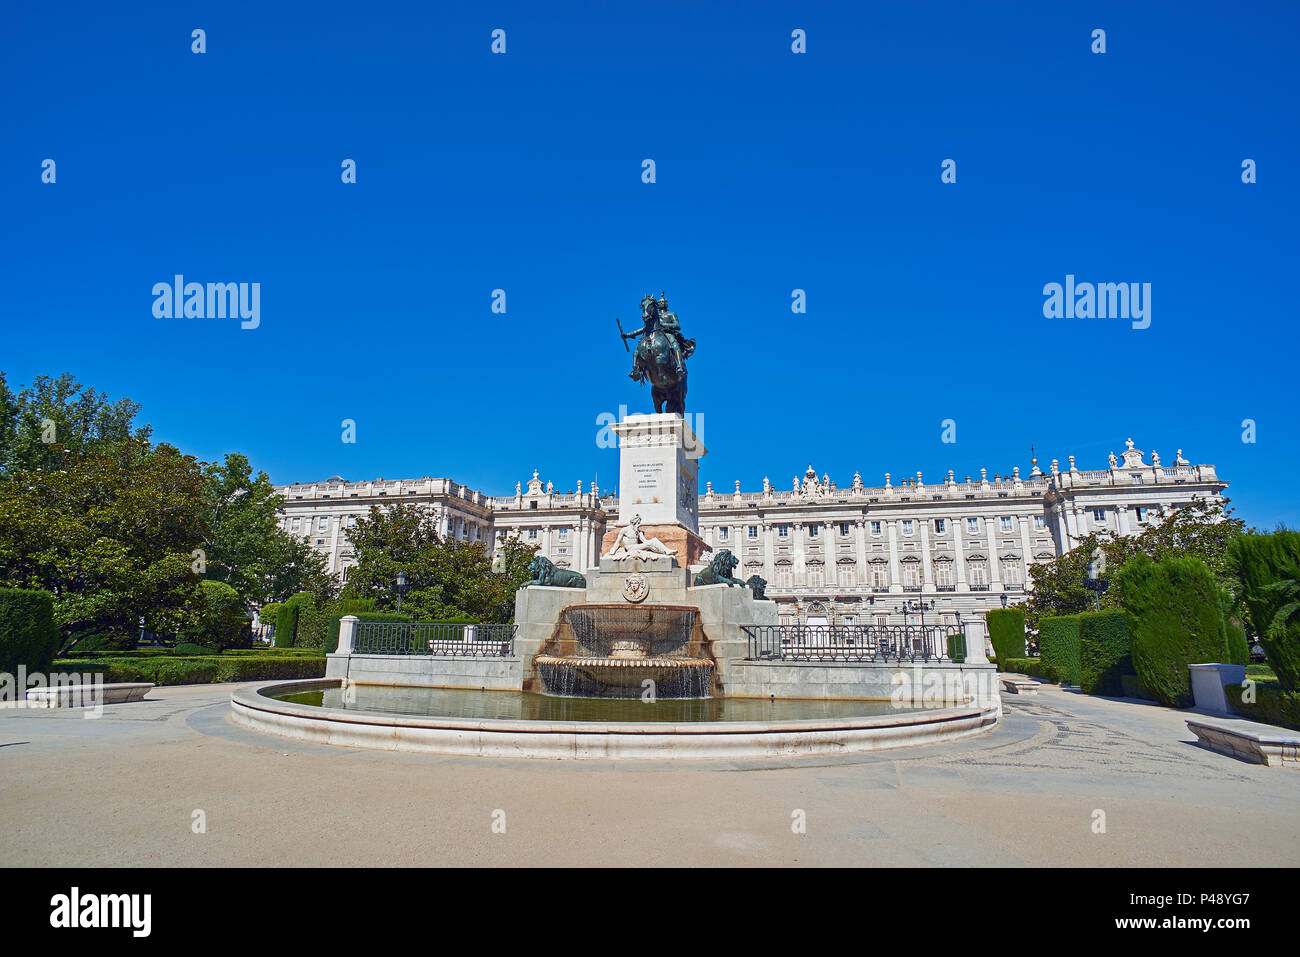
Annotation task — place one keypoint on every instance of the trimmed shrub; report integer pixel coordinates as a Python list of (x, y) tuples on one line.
[(286, 622), (1104, 652), (198, 670), (1238, 645), (1006, 632), (1058, 644), (1023, 666), (1174, 619), (187, 649), (1272, 705), (1132, 688), (1268, 567), (221, 618), (28, 636), (269, 612), (313, 623), (957, 647)]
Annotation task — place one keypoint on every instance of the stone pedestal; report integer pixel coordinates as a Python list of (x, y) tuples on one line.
[(658, 471)]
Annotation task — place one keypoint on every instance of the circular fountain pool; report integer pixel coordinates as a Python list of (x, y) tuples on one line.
[(520, 724)]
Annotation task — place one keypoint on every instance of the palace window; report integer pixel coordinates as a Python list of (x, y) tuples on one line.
[(846, 575), (879, 576), (564, 534), (907, 526), (1137, 480), (1099, 515), (813, 530), (973, 525), (723, 532), (940, 526), (844, 529), (1040, 523), (322, 524), (1006, 523), (943, 574), (1011, 571), (532, 505), (979, 573), (532, 534), (753, 531), (297, 525), (783, 531), (783, 576), (875, 528), (912, 574), (1141, 513), (815, 576)]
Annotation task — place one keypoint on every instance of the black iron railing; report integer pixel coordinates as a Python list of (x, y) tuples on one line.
[(433, 638), (848, 642)]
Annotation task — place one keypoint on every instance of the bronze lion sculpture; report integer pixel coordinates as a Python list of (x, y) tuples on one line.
[(545, 573), (719, 571), (758, 586)]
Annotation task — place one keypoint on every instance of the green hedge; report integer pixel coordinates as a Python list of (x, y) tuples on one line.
[(957, 647), (339, 610), (1175, 619), (286, 622), (1268, 567), (1104, 652), (1238, 645), (1006, 632), (1023, 666), (185, 671), (221, 620), (1058, 646), (1132, 687), (1272, 705), (28, 636)]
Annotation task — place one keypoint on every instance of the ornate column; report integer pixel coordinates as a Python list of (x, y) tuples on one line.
[(769, 568), (995, 560), (960, 559), (895, 582), (927, 574), (860, 549)]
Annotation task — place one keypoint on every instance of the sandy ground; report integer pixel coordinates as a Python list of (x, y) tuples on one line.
[(124, 789)]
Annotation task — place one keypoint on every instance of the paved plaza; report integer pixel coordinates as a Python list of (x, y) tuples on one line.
[(122, 790)]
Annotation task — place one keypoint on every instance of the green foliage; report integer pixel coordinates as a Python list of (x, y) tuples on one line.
[(77, 419), (1175, 619), (1058, 647), (957, 647), (286, 623), (219, 618), (1267, 568), (164, 670), (1006, 632), (1023, 666), (1199, 529), (1238, 644), (109, 533), (1132, 687), (1272, 705), (1104, 652), (188, 649), (448, 579), (27, 633), (269, 612), (247, 548)]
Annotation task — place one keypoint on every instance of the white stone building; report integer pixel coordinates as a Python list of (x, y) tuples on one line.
[(830, 555)]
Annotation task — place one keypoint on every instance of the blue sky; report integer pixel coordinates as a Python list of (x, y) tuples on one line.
[(775, 171)]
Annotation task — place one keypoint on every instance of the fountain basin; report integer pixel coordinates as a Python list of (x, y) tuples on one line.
[(260, 708)]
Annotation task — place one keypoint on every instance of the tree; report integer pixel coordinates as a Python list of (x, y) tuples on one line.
[(110, 532), (1200, 529), (246, 547), (447, 579), (52, 415)]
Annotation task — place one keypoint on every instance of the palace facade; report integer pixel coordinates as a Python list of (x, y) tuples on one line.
[(860, 554)]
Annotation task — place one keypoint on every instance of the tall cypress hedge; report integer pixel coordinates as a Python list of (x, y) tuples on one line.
[(28, 635), (286, 622), (1268, 567), (1174, 619), (1105, 655), (1058, 648), (1006, 632)]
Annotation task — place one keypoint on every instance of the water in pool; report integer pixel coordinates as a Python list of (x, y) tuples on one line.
[(518, 705)]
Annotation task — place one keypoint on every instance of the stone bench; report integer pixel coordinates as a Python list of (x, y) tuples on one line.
[(1017, 684), (80, 696), (1248, 740)]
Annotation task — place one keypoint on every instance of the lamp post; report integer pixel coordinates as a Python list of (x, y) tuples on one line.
[(918, 605), (401, 589), (1004, 599), (1095, 583)]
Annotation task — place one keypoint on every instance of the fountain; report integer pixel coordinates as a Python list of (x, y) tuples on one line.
[(625, 651)]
